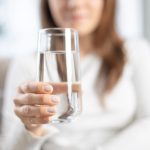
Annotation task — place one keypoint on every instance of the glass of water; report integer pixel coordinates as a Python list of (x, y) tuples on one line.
[(59, 65)]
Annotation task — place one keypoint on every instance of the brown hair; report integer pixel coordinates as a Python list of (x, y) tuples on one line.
[(106, 40)]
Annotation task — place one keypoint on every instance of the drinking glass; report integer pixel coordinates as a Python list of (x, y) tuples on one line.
[(59, 65)]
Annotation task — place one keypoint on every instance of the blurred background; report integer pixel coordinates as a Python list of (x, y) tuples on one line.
[(19, 24)]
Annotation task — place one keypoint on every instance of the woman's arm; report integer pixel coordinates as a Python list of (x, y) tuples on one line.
[(14, 133)]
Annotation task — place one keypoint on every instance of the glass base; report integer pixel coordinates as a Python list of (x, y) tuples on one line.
[(58, 120)]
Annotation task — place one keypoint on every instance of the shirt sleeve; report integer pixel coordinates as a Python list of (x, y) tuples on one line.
[(136, 136), (20, 138), (15, 136)]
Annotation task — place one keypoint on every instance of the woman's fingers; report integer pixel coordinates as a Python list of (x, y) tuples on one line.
[(61, 88), (35, 120), (48, 88), (36, 99), (35, 104), (35, 87), (34, 111)]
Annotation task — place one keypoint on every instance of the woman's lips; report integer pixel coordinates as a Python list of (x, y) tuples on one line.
[(78, 17)]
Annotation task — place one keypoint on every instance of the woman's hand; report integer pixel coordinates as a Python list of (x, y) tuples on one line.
[(35, 105)]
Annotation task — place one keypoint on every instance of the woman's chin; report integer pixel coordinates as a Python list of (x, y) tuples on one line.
[(82, 30)]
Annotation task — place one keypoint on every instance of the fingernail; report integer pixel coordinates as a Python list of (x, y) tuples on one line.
[(55, 99), (48, 88), (50, 110)]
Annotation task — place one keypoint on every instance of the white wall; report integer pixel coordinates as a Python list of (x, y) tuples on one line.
[(130, 18), (22, 27), (147, 18)]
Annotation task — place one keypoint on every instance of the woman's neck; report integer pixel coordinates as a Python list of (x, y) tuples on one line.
[(86, 46)]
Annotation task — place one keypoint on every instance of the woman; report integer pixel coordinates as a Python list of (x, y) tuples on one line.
[(116, 117)]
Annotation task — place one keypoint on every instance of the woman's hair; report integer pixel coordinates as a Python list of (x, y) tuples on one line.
[(108, 45)]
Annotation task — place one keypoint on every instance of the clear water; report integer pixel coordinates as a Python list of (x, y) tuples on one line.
[(61, 70)]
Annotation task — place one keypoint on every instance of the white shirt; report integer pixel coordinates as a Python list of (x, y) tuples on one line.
[(123, 125)]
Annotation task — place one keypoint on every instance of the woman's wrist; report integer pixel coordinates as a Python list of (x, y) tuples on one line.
[(37, 130)]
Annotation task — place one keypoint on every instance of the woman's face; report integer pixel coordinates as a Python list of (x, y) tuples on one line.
[(83, 15)]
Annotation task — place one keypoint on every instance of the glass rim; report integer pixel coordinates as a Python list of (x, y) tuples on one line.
[(44, 30), (77, 51), (50, 32)]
